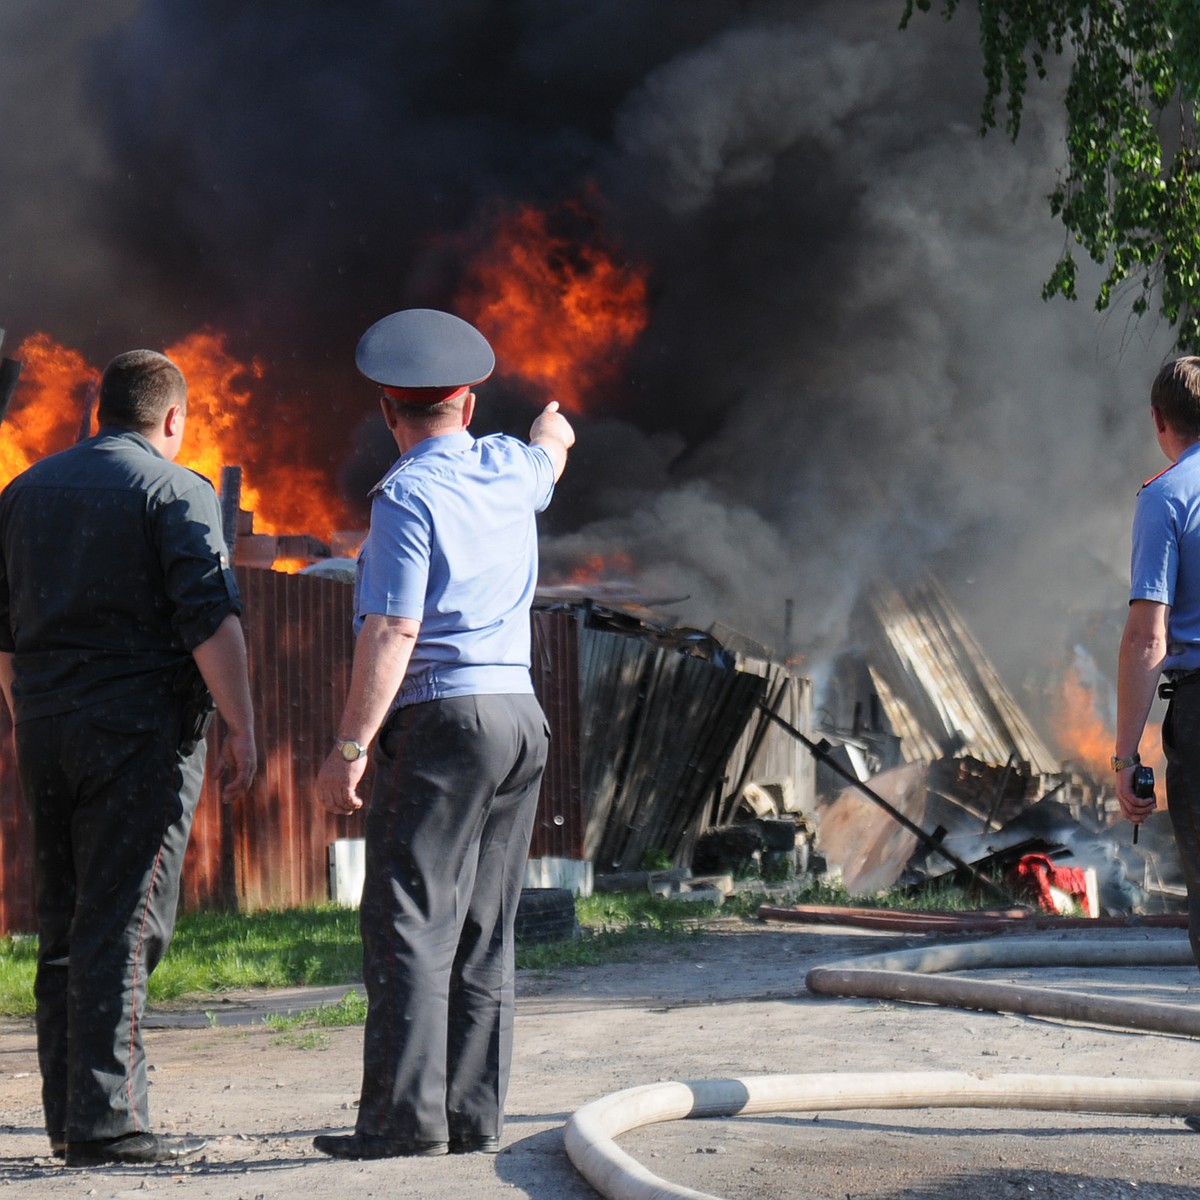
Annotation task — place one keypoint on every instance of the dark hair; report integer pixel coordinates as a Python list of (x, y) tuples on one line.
[(138, 387), (425, 416), (1175, 393)]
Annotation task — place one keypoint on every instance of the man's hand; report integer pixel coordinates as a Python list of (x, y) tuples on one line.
[(552, 431), (222, 662), (1133, 808), (337, 784), (240, 758), (1143, 651)]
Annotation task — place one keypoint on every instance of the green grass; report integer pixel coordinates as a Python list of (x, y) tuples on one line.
[(214, 952), (306, 1030), (18, 958), (615, 927), (940, 896), (219, 952)]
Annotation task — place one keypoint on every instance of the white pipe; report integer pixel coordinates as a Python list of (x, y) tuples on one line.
[(904, 975), (616, 1175)]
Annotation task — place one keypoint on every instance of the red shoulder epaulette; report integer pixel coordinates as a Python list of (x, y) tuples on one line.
[(1152, 478)]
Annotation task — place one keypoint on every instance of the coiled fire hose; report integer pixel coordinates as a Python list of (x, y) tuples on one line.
[(904, 975)]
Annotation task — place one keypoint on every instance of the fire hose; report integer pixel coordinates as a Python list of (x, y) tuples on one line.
[(904, 975), (614, 1174)]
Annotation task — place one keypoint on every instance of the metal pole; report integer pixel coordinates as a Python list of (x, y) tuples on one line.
[(231, 500), (926, 839), (91, 399), (10, 372)]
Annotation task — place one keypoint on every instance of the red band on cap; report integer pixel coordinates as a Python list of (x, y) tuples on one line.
[(430, 395)]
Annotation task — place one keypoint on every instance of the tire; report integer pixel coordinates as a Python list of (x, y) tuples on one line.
[(546, 915)]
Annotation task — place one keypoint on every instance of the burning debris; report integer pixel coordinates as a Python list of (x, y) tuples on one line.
[(956, 756)]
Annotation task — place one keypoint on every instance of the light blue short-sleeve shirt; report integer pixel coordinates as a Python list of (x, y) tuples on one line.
[(1166, 555), (453, 545)]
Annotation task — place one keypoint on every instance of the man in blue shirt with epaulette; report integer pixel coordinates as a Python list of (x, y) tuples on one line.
[(1162, 629), (441, 684)]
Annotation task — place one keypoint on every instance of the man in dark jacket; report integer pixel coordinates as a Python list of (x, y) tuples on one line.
[(118, 629)]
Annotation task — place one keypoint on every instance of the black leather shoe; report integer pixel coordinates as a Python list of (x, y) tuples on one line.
[(475, 1143), (1192, 1121), (367, 1145), (135, 1149)]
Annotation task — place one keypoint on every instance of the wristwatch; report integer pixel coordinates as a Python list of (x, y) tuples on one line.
[(1121, 764), (351, 751)]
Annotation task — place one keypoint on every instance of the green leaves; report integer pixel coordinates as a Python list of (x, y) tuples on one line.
[(1130, 192)]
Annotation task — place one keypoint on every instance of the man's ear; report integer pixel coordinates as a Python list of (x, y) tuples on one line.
[(388, 415), (1159, 423), (173, 420), (468, 409)]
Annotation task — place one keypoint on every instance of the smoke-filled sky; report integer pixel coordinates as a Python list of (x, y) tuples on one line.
[(846, 368)]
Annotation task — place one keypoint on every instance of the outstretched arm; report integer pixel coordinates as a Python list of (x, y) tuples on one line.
[(552, 431)]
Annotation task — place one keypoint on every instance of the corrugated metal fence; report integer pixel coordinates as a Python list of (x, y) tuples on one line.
[(271, 849), (647, 744), (668, 741)]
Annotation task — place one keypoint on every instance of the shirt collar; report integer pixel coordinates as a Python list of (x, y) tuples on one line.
[(119, 431), (1188, 452), (442, 443)]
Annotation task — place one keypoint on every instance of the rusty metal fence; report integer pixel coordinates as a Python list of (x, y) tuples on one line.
[(271, 849)]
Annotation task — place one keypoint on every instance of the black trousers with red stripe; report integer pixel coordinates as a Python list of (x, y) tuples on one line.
[(111, 794), (447, 833)]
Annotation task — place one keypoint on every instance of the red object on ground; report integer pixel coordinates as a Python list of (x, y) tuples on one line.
[(1043, 878)]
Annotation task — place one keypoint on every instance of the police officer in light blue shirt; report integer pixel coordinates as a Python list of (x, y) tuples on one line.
[(441, 687), (1162, 629)]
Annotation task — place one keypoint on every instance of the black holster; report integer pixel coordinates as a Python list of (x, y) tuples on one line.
[(195, 706)]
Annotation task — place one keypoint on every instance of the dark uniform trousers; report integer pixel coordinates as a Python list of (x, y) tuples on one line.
[(447, 837), (1181, 744), (111, 792)]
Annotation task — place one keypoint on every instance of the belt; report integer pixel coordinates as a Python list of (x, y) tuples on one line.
[(1166, 689)]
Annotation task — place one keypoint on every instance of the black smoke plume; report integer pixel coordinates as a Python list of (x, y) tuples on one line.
[(846, 369)]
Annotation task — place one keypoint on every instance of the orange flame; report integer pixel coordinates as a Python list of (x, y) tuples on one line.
[(48, 406), (1086, 739), (224, 428), (561, 312), (592, 568)]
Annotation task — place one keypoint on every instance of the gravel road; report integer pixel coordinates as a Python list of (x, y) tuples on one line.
[(728, 1003)]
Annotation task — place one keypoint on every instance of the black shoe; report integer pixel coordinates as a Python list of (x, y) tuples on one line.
[(1192, 1121), (475, 1143), (367, 1145), (135, 1149)]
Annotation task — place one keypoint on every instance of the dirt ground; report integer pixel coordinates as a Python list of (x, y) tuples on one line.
[(730, 1002)]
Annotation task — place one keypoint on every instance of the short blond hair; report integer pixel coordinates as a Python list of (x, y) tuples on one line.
[(1175, 395)]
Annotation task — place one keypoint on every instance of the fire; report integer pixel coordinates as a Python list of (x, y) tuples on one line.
[(558, 306), (225, 427), (1086, 739), (594, 567), (49, 406)]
